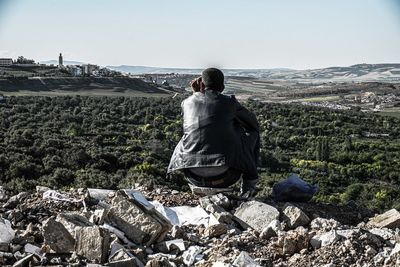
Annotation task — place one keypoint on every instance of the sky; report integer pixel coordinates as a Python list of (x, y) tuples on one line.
[(197, 34)]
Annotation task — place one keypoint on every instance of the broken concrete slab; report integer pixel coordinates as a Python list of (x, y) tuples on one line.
[(390, 219), (73, 222), (93, 243), (256, 215), (141, 224), (186, 215), (57, 237), (294, 216)]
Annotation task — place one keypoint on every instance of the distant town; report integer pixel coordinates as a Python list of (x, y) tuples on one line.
[(23, 67)]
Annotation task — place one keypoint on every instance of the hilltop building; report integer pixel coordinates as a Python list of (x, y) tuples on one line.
[(6, 61), (60, 60)]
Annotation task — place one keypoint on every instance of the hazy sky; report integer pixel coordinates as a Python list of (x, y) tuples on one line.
[(200, 33)]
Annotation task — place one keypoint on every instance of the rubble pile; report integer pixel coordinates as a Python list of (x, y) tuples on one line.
[(162, 227)]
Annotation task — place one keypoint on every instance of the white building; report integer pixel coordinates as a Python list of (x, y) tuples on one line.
[(6, 61)]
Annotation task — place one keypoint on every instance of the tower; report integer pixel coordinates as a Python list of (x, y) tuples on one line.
[(60, 60)]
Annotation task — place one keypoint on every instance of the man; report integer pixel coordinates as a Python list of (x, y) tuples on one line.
[(220, 142)]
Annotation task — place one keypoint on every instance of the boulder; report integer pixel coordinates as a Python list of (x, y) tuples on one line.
[(294, 216), (159, 262), (57, 237), (140, 221), (13, 201), (73, 222), (93, 243), (390, 219), (256, 215)]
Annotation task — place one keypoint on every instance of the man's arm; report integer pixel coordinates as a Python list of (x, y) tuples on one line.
[(246, 118)]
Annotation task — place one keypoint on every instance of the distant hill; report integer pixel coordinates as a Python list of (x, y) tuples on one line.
[(359, 72)]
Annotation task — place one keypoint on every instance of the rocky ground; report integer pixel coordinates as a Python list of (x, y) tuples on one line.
[(162, 227)]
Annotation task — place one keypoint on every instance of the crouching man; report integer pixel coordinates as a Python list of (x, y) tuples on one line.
[(220, 143)]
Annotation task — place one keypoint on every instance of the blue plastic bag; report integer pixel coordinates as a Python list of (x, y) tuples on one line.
[(294, 189)]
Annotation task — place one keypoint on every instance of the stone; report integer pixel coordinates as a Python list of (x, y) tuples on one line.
[(100, 194), (140, 223), (93, 243), (348, 233), (324, 239), (245, 260), (176, 245), (271, 230), (7, 234), (208, 205), (390, 219), (190, 256), (73, 222), (324, 224), (57, 237), (13, 201), (294, 216), (123, 258), (256, 215), (385, 233), (215, 230), (41, 189), (177, 232), (295, 241), (220, 200), (3, 194)]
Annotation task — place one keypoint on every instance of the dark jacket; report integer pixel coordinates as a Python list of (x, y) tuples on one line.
[(214, 133)]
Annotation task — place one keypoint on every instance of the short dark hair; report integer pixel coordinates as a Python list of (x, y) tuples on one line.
[(213, 79)]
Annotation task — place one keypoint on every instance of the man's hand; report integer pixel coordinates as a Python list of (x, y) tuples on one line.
[(197, 85)]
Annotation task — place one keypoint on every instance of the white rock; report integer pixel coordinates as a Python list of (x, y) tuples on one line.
[(325, 239), (256, 214), (294, 216), (324, 224), (190, 255), (244, 260), (7, 234), (389, 219)]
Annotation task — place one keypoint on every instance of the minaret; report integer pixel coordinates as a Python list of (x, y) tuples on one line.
[(60, 60)]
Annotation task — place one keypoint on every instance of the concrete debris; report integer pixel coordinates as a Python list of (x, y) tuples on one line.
[(7, 234), (192, 255), (124, 228), (325, 239), (140, 223), (294, 216), (215, 230), (93, 243), (100, 194), (73, 222), (57, 237), (256, 214), (244, 260), (390, 219)]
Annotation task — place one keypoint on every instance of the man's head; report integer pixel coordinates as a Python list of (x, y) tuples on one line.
[(213, 79)]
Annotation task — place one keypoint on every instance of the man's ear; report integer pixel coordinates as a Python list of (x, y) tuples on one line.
[(202, 86)]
